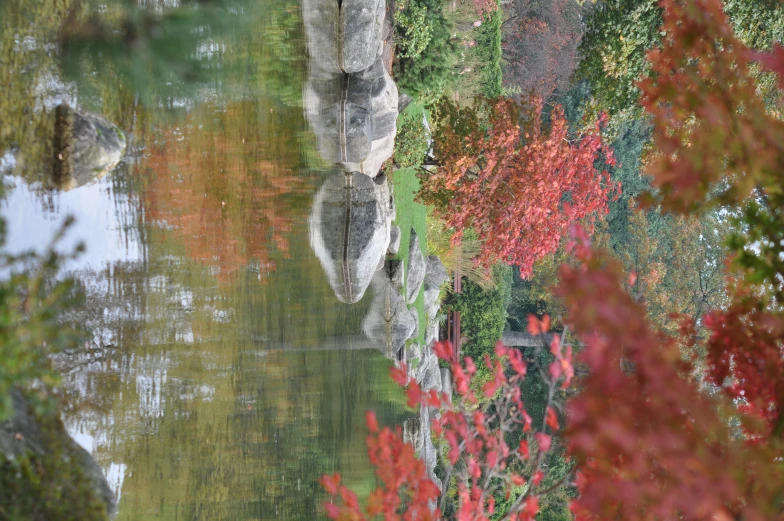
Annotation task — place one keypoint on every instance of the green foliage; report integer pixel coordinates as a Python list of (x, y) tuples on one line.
[(410, 215), (415, 28), (618, 36), (482, 312), (534, 295), (429, 74), (412, 139), (32, 304), (50, 485), (488, 53)]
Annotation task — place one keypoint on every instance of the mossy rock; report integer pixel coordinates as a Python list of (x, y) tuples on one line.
[(44, 474)]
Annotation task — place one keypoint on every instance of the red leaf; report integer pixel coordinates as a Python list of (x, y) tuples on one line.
[(543, 441), (523, 450), (399, 375), (537, 478), (552, 419), (331, 483), (534, 326), (443, 350), (371, 421)]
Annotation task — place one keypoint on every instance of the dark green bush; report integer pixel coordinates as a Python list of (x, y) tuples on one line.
[(430, 73), (482, 312), (48, 486), (488, 48)]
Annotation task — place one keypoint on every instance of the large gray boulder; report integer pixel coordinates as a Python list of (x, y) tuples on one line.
[(432, 304), (23, 434), (431, 333), (415, 316), (436, 272), (345, 36), (349, 231), (446, 382), (417, 266), (86, 147), (429, 374), (435, 277), (394, 240), (353, 116), (388, 322)]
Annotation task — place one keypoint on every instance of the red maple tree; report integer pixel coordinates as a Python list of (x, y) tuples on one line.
[(501, 452), (517, 182), (649, 441)]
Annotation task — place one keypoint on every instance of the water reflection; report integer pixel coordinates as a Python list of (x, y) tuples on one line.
[(202, 393), (349, 231)]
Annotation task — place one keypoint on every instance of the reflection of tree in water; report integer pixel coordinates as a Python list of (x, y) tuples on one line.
[(230, 191), (195, 394), (137, 63)]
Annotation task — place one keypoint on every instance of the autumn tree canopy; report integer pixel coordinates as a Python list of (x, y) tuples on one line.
[(516, 180), (648, 441)]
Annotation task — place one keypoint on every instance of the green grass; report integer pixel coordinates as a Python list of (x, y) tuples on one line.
[(411, 214)]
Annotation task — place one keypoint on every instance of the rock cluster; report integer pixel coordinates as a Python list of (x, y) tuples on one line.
[(350, 100), (352, 103)]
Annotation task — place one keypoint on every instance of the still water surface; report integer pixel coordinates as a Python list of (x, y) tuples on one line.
[(222, 376)]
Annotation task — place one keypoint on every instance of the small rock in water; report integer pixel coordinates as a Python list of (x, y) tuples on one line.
[(87, 147)]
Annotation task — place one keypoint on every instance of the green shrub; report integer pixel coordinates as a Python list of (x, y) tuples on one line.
[(411, 142), (416, 29), (51, 485), (430, 72), (32, 304), (488, 50), (482, 312)]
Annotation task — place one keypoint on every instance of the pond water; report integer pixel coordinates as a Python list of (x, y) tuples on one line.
[(222, 375)]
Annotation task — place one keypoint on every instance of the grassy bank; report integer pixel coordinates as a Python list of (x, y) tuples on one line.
[(410, 214)]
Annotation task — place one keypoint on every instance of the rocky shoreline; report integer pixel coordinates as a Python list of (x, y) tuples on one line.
[(352, 104)]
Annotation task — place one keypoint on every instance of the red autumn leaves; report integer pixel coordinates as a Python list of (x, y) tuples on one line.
[(519, 187), (476, 432)]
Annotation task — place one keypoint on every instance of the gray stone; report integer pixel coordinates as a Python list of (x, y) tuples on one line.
[(432, 294), (22, 434), (414, 352), (431, 334), (394, 240), (349, 231), (346, 36), (435, 277), (404, 100), (353, 116), (436, 272), (388, 322), (415, 316), (87, 147), (446, 382), (427, 451), (416, 268), (428, 374)]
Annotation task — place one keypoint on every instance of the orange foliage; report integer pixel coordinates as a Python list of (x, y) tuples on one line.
[(218, 184)]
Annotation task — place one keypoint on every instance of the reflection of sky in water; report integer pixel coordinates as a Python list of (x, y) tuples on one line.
[(97, 223)]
